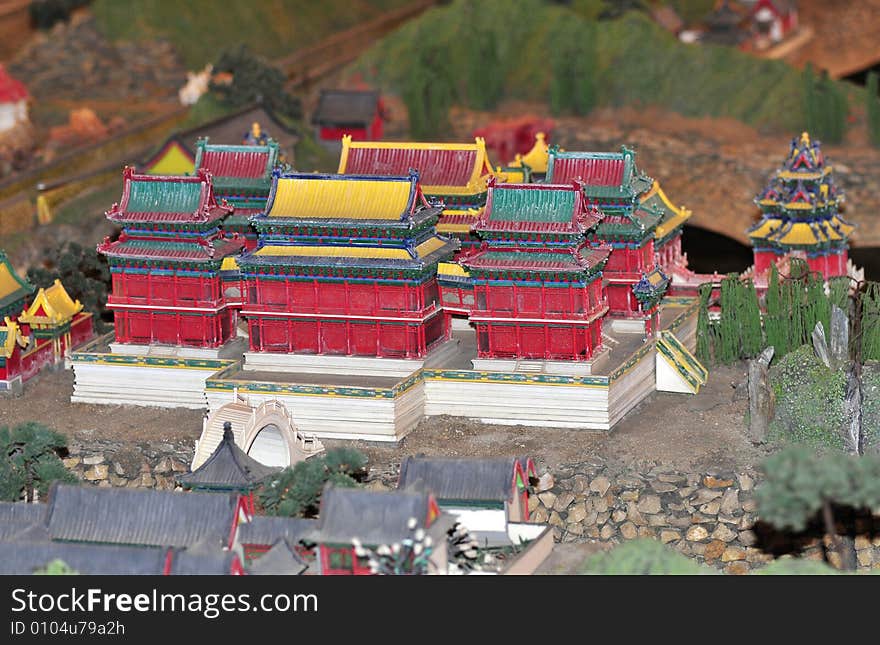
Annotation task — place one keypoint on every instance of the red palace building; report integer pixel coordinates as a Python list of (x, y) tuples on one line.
[(242, 176), (346, 265), (612, 183), (537, 283), (800, 215), (166, 263)]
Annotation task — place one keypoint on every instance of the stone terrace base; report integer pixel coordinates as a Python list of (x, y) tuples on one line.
[(573, 368), (157, 376)]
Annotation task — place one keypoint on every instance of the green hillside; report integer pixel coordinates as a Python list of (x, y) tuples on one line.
[(629, 61), (199, 29)]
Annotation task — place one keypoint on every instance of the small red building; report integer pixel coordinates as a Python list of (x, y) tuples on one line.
[(346, 265), (166, 263), (38, 334), (356, 113), (612, 183), (537, 284)]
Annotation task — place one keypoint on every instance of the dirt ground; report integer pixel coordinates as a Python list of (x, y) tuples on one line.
[(678, 431)]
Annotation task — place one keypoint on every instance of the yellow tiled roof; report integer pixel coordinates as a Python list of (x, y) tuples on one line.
[(536, 158), (451, 268), (679, 214), (10, 338), (8, 283), (340, 198), (56, 305), (429, 246), (766, 227), (229, 264), (337, 251), (800, 233), (453, 228)]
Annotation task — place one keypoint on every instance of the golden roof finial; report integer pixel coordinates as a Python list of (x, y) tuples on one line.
[(805, 138)]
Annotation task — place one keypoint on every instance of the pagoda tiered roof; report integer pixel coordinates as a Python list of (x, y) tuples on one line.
[(445, 168), (537, 210), (13, 288), (605, 175), (167, 199), (800, 203), (523, 262), (10, 336), (197, 250), (238, 169)]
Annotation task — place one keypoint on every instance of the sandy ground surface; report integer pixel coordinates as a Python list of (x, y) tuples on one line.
[(674, 430)]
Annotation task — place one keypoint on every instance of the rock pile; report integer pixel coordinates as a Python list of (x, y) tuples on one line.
[(709, 516), (146, 465)]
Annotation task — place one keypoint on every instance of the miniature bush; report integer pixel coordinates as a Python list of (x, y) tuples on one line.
[(56, 567), (825, 106), (296, 491), (84, 273), (30, 461), (45, 13), (801, 488), (643, 557), (809, 400), (254, 79)]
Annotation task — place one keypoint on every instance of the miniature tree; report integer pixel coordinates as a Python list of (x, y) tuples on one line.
[(254, 80), (56, 567), (84, 273), (428, 90), (483, 84), (869, 341), (704, 328), (30, 461), (296, 491), (573, 65), (800, 486), (643, 556), (825, 106)]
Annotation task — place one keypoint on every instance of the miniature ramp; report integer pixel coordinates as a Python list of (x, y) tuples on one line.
[(265, 432), (677, 369)]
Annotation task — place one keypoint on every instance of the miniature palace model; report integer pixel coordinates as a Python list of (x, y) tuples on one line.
[(348, 294)]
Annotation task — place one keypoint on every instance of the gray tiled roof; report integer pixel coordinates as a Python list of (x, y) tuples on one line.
[(264, 529), (87, 559), (374, 517), (228, 467), (139, 517), (346, 107), (20, 512), (201, 562), (459, 479), (280, 560)]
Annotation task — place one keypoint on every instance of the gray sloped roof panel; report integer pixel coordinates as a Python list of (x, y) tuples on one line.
[(140, 517), (264, 529), (346, 107), (86, 559), (460, 479), (21, 512), (227, 467), (280, 560)]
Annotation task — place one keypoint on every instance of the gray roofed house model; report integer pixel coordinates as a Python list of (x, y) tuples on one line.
[(346, 108), (228, 468), (280, 560), (140, 517), (264, 529), (459, 479), (21, 512), (373, 517)]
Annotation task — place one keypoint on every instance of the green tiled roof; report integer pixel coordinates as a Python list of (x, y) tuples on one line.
[(531, 205), (565, 258), (163, 197)]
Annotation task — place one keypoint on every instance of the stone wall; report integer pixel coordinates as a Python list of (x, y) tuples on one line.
[(709, 516), (142, 465)]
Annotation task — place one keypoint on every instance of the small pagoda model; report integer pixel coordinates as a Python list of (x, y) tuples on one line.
[(800, 215), (612, 183), (242, 176), (165, 265), (538, 284), (346, 265), (228, 469), (455, 174)]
